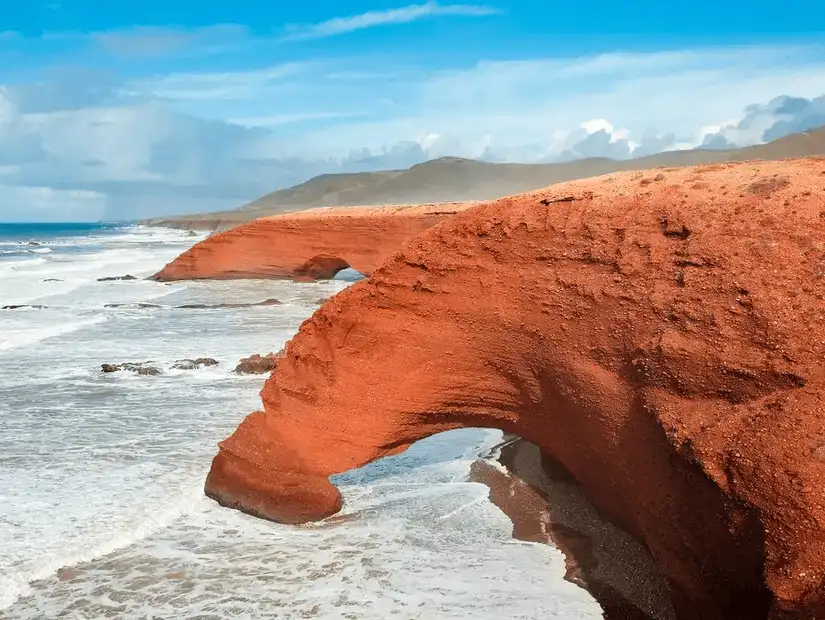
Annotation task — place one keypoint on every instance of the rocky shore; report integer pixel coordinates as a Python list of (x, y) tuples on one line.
[(656, 333)]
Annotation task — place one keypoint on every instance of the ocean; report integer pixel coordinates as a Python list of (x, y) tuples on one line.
[(102, 512)]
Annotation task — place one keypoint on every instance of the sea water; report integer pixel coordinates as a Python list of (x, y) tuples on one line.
[(102, 512)]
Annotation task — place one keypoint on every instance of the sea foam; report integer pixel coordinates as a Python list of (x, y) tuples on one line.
[(101, 475)]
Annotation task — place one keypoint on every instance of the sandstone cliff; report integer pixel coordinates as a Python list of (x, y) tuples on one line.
[(660, 334), (310, 244)]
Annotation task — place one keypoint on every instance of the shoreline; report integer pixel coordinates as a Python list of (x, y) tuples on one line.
[(547, 506)]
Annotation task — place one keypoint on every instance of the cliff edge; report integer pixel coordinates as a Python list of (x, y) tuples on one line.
[(660, 334), (311, 244)]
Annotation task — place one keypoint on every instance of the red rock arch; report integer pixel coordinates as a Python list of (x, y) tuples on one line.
[(663, 344), (281, 245)]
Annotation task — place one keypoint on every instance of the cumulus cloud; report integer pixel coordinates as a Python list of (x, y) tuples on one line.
[(106, 153), (371, 19), (533, 110), (779, 117), (140, 158)]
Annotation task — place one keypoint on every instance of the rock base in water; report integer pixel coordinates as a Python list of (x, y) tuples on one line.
[(117, 278), (141, 368), (257, 364), (192, 364)]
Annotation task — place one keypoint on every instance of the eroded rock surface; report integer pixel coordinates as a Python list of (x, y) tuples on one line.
[(307, 245), (660, 334)]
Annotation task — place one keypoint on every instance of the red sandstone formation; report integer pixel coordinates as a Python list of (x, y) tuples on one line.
[(307, 245), (661, 334)]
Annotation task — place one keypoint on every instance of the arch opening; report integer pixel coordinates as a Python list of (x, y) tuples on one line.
[(321, 267), (349, 274), (324, 419)]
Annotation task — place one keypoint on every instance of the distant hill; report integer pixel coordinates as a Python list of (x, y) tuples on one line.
[(452, 179)]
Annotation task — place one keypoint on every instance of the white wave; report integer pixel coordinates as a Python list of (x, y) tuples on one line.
[(19, 252), (104, 473), (12, 266), (147, 520), (32, 280), (16, 338)]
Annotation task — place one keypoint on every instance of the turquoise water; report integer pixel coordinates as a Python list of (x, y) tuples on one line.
[(20, 241), (40, 231)]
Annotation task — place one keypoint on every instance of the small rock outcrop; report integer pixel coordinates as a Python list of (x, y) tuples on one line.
[(266, 302), (137, 305), (660, 334), (307, 245), (189, 364), (128, 276), (257, 364), (141, 368)]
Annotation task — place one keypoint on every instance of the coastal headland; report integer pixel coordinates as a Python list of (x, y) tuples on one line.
[(307, 245), (658, 334)]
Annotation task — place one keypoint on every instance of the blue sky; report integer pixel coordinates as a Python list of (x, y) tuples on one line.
[(130, 109)]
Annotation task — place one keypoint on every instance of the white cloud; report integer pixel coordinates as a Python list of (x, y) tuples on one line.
[(529, 109), (371, 19), (287, 119), (764, 122), (203, 141), (215, 85), (36, 204)]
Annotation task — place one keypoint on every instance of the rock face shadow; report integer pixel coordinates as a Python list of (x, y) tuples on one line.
[(548, 506)]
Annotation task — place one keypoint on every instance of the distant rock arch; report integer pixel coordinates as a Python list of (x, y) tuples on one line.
[(307, 244), (660, 334), (321, 267)]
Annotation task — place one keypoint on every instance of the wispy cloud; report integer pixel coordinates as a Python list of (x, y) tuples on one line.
[(217, 85), (289, 119), (372, 19), (152, 40)]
